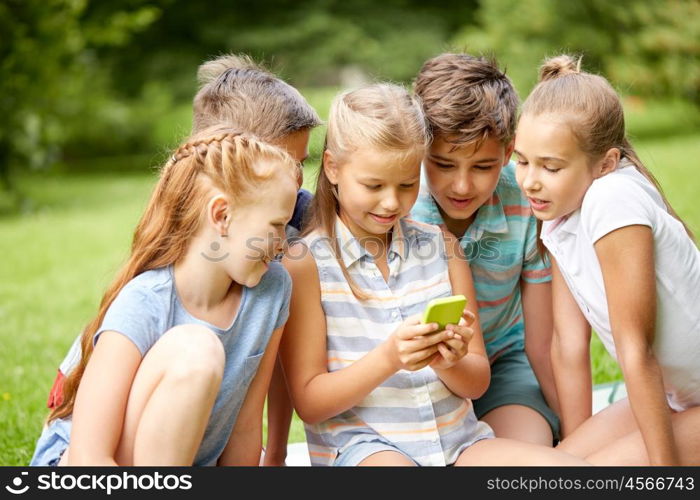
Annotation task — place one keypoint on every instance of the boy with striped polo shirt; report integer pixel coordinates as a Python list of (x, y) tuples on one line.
[(469, 186)]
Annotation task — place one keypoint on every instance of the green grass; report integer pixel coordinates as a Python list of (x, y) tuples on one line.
[(60, 255), (56, 263)]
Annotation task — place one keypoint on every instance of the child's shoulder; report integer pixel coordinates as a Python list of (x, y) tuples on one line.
[(149, 284), (417, 235), (153, 278), (276, 272), (625, 183), (142, 306), (276, 278), (412, 228)]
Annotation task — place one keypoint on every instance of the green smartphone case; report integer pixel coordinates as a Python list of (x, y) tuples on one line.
[(445, 311)]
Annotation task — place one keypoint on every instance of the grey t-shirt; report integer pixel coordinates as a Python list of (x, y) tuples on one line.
[(148, 306)]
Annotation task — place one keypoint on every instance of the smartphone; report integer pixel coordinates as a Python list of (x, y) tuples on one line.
[(444, 311)]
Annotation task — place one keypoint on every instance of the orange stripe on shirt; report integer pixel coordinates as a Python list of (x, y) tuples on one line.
[(537, 273), (460, 414), (386, 299), (494, 200), (494, 303), (331, 427)]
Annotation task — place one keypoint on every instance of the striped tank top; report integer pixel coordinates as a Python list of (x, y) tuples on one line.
[(413, 411)]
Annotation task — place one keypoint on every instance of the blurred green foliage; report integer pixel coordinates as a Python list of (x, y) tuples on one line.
[(85, 78), (646, 47), (52, 85)]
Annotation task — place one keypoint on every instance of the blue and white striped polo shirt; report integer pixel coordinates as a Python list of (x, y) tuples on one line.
[(414, 411)]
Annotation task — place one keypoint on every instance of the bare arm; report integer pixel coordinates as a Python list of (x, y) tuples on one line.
[(100, 404), (537, 315), (470, 376), (245, 443), (318, 394), (626, 259), (571, 358), (279, 418)]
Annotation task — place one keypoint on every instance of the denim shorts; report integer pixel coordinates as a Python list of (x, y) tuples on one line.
[(52, 443), (356, 453), (514, 383)]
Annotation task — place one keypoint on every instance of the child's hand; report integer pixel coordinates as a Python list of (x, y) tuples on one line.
[(414, 345), (454, 349)]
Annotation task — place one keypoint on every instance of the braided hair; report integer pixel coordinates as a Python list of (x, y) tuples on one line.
[(215, 158)]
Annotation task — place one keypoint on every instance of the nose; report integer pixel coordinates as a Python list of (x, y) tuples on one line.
[(531, 182), (462, 184), (390, 201)]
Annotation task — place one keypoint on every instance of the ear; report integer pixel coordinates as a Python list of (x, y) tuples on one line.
[(509, 151), (218, 213), (330, 167), (608, 163)]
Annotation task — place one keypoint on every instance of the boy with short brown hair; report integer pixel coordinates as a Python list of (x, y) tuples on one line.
[(469, 186)]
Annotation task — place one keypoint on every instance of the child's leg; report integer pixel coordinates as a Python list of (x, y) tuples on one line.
[(386, 459), (521, 423), (279, 418), (514, 405), (171, 398), (375, 453), (603, 428), (631, 450), (499, 451)]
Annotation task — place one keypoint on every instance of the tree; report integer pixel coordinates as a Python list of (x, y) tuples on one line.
[(47, 65), (651, 46)]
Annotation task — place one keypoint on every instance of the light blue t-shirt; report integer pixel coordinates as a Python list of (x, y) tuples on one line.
[(148, 306)]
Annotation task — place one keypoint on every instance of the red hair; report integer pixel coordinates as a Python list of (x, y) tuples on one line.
[(234, 163)]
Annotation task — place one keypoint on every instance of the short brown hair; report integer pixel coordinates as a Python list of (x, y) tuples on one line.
[(467, 99), (241, 94)]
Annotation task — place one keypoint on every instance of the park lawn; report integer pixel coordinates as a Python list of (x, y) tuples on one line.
[(60, 255)]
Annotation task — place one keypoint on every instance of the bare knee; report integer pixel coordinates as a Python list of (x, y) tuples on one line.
[(520, 423), (194, 353), (386, 459)]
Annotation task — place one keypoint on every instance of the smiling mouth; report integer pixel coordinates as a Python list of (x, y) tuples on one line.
[(384, 219), (460, 202), (214, 259)]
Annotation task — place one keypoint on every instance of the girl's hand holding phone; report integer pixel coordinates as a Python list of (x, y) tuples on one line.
[(414, 345), (455, 348)]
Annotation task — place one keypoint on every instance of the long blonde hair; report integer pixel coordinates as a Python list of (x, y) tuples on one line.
[(594, 110), (382, 117), (233, 163), (236, 91)]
